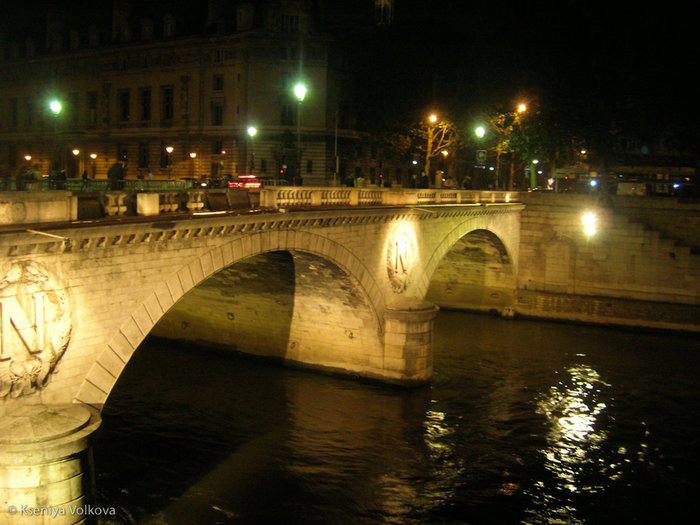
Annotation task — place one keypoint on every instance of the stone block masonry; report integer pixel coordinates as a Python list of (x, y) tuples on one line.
[(624, 274)]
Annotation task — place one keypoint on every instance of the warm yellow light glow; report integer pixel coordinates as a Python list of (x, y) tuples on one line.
[(76, 152), (93, 156), (193, 155), (432, 118), (522, 108), (169, 149), (27, 158), (445, 153), (589, 221)]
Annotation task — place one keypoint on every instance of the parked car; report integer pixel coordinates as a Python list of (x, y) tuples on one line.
[(245, 181)]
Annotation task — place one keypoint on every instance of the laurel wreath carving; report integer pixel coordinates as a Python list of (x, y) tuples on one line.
[(25, 372)]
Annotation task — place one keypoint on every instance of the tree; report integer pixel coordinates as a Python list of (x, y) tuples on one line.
[(426, 139), (430, 138), (505, 125)]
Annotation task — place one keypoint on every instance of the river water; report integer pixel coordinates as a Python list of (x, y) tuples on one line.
[(524, 422)]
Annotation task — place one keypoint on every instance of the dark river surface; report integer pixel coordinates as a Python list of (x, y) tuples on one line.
[(524, 422)]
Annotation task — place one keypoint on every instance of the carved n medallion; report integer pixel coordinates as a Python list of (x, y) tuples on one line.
[(400, 258), (35, 327)]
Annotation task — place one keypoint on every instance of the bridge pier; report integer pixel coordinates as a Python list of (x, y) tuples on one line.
[(408, 341), (46, 468)]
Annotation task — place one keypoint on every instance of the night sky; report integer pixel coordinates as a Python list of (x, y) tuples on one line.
[(588, 59)]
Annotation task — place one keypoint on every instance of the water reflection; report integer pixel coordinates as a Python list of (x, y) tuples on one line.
[(573, 408), (518, 426), (446, 465)]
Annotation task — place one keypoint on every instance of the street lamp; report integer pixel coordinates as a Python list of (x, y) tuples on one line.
[(300, 93), (193, 156), (252, 131), (480, 131), (432, 119), (55, 107), (533, 174), (168, 158)]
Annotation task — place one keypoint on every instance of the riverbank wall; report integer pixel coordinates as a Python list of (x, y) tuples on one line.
[(637, 266)]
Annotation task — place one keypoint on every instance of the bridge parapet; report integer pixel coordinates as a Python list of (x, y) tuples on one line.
[(283, 197), (66, 206)]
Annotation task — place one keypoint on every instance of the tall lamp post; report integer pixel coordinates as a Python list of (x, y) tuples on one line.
[(432, 119), (55, 107), (533, 174), (300, 93), (252, 131)]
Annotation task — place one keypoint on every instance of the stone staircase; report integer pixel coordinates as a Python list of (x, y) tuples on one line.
[(624, 272)]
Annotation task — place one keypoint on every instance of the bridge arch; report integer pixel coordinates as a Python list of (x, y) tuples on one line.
[(107, 368), (474, 268)]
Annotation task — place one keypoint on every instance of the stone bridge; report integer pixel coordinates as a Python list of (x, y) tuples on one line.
[(342, 283)]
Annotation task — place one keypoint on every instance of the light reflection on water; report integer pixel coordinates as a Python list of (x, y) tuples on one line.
[(513, 429), (572, 408)]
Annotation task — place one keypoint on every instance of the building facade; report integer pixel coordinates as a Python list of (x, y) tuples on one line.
[(175, 96)]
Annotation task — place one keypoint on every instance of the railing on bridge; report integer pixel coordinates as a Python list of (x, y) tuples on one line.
[(92, 185), (283, 197), (81, 200)]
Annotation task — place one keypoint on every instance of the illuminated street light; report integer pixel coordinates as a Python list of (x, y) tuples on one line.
[(480, 131), (533, 174), (76, 152), (252, 131), (432, 119), (522, 108), (589, 221), (300, 93), (55, 107)]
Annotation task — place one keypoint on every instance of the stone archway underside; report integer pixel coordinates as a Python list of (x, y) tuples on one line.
[(475, 274), (295, 307)]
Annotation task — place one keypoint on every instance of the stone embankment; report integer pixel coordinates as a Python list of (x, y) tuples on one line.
[(640, 268)]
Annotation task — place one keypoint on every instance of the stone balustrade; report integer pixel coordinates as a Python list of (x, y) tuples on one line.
[(65, 206), (302, 197)]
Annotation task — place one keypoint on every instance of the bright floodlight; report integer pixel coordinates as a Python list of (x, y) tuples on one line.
[(55, 107), (432, 118), (522, 108), (252, 130), (480, 132), (300, 91), (589, 221)]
